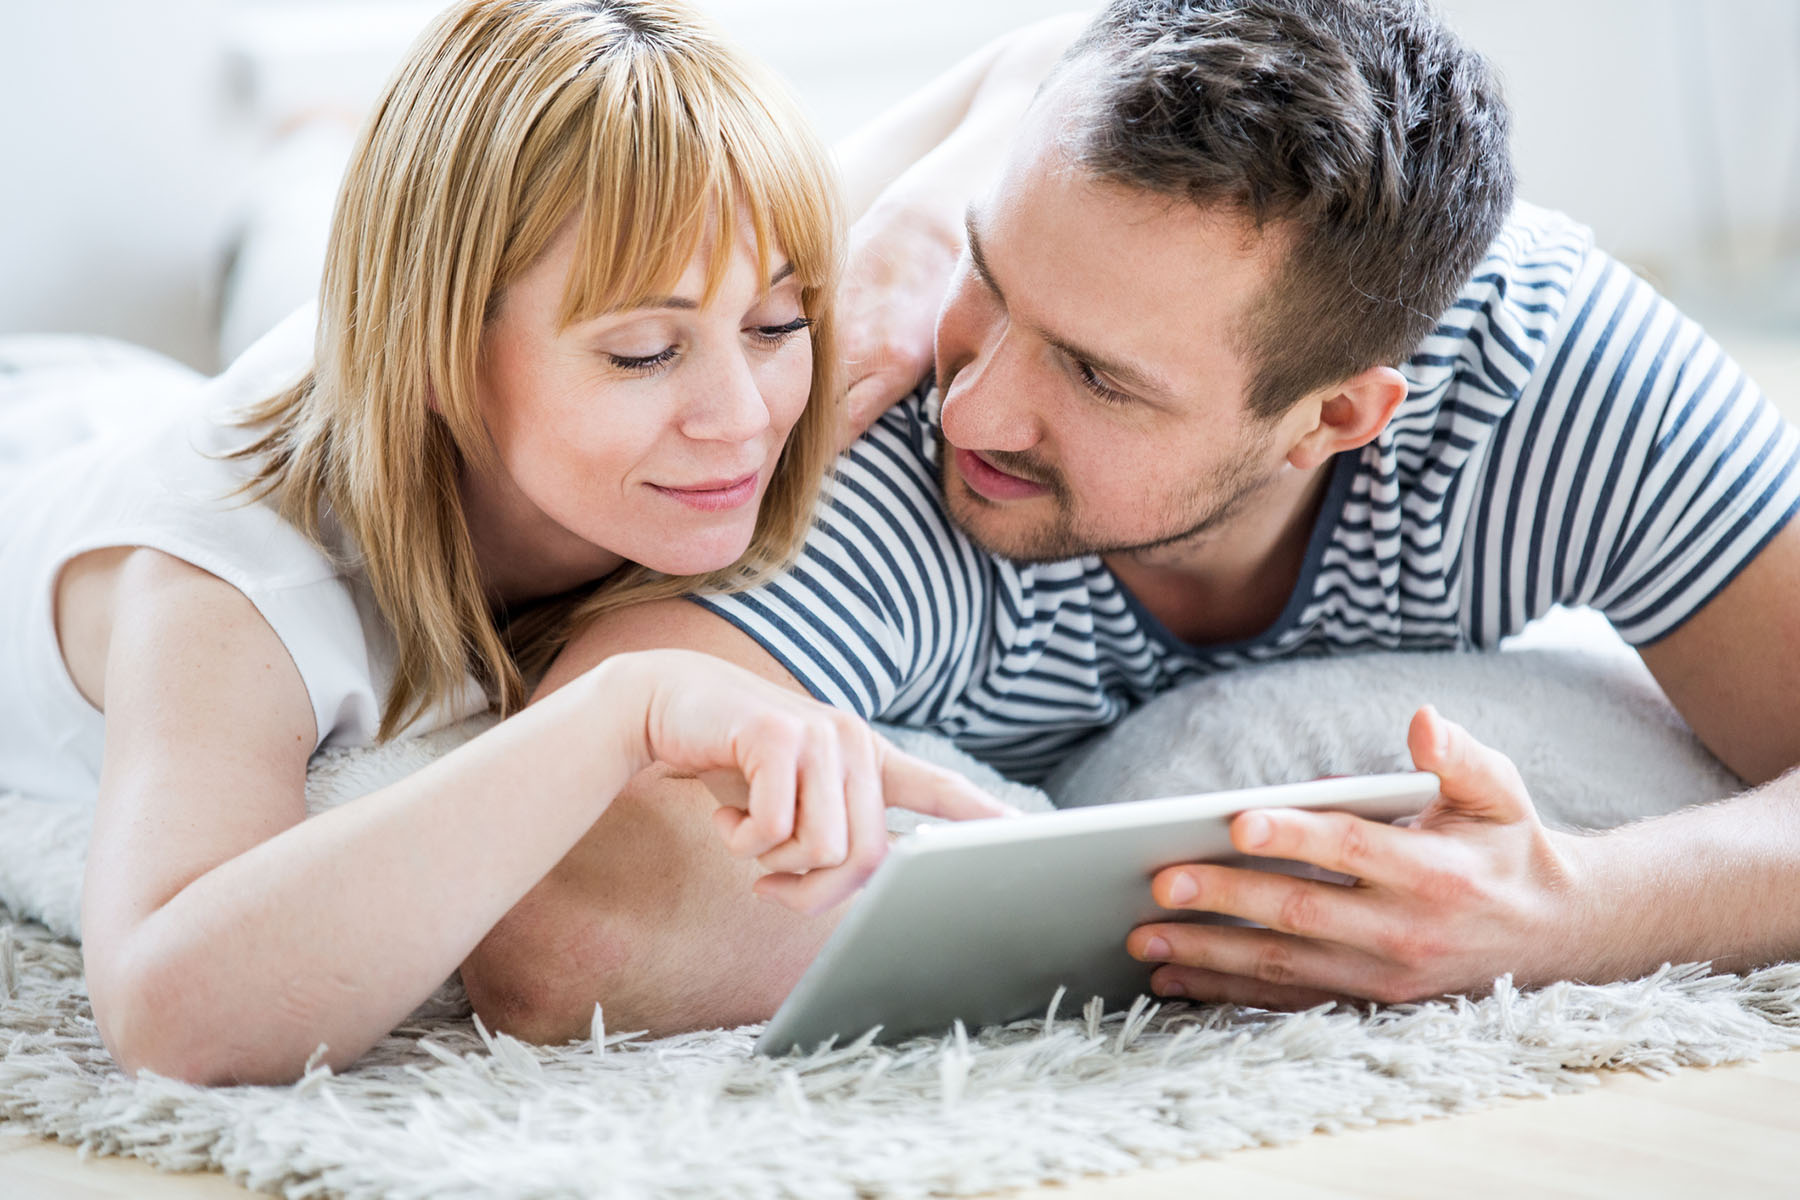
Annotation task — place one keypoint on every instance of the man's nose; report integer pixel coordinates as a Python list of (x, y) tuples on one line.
[(987, 403)]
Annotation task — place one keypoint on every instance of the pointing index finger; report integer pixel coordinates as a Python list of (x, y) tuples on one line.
[(908, 783)]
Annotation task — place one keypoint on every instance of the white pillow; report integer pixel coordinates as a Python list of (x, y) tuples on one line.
[(1595, 738)]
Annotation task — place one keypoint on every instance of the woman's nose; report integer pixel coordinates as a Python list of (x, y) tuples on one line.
[(726, 404)]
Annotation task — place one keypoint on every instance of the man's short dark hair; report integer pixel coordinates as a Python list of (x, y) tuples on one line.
[(1363, 128)]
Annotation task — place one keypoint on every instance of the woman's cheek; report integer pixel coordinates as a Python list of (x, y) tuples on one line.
[(792, 387)]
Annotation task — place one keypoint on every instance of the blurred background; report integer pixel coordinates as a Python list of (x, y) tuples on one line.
[(167, 169)]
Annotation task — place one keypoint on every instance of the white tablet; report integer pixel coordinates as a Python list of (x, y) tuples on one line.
[(982, 921)]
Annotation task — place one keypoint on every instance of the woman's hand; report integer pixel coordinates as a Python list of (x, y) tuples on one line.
[(804, 787), (901, 260), (908, 176)]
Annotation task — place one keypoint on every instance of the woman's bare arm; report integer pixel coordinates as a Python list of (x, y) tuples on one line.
[(972, 107), (227, 937), (909, 175)]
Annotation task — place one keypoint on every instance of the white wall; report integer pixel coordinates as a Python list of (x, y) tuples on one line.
[(1671, 126), (117, 143)]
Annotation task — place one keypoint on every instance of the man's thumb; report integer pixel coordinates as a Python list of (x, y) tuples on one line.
[(1478, 781)]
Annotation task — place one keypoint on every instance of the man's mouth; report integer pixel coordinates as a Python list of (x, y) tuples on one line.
[(991, 483)]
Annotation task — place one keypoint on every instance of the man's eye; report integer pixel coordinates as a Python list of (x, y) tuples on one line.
[(1096, 385)]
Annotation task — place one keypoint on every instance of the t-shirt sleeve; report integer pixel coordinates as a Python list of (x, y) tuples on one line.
[(871, 604), (1658, 470)]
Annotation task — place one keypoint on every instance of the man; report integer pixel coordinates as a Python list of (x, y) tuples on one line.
[(1250, 354)]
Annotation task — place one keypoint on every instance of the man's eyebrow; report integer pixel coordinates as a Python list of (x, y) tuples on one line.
[(781, 273), (1137, 380), (976, 257)]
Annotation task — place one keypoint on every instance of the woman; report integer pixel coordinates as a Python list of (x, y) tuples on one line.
[(577, 297)]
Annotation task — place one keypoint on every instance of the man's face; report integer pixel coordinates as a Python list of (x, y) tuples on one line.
[(1093, 388)]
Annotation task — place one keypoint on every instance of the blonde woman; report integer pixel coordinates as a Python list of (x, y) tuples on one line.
[(576, 300)]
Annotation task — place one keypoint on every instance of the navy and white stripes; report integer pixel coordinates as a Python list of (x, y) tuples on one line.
[(1568, 437)]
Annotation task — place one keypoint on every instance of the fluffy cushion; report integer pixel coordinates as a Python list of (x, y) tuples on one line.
[(1596, 740)]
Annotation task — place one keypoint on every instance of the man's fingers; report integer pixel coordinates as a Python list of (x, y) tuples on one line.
[(1478, 781), (1369, 850), (1274, 959), (1213, 987), (1308, 908)]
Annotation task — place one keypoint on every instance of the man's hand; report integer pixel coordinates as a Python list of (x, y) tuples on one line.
[(1476, 888), (901, 260)]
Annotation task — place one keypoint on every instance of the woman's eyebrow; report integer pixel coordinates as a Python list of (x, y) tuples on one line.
[(682, 302)]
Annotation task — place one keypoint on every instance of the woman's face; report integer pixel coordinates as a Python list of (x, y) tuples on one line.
[(644, 436)]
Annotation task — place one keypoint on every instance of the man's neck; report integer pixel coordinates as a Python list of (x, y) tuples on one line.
[(1234, 582)]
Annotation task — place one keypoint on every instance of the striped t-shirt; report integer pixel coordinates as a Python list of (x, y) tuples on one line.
[(1567, 437)]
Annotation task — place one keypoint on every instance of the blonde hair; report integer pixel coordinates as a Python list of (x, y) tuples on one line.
[(507, 118)]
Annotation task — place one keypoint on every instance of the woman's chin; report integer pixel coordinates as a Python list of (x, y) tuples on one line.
[(695, 559)]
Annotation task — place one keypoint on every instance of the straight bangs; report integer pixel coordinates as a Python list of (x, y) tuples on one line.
[(711, 141), (715, 144)]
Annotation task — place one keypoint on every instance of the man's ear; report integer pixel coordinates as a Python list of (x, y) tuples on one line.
[(1349, 415)]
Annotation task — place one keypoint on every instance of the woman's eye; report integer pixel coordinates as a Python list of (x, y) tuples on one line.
[(776, 334), (1096, 385), (644, 364)]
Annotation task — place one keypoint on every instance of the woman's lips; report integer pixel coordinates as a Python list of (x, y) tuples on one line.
[(990, 482), (718, 496)]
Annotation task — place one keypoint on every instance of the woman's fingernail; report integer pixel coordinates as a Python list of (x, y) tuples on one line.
[(1156, 949), (1183, 888), (1171, 988), (1256, 829)]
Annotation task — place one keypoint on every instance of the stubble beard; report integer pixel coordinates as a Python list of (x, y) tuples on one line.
[(1229, 491)]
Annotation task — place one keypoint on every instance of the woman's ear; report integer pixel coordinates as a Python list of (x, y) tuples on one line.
[(1348, 415)]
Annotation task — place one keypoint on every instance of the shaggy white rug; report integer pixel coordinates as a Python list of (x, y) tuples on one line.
[(441, 1109)]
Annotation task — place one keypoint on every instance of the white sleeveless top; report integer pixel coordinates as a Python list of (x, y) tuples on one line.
[(162, 483)]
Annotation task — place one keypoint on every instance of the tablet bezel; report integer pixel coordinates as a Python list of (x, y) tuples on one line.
[(944, 868)]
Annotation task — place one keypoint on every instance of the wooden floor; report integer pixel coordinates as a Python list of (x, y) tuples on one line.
[(1729, 1132)]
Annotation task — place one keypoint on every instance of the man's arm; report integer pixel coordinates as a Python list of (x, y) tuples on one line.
[(1480, 888), (1733, 669), (648, 915)]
